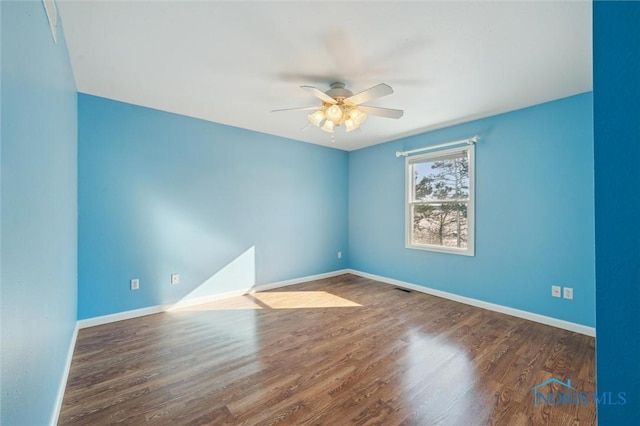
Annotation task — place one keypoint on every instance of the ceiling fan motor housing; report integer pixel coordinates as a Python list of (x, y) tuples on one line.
[(338, 92)]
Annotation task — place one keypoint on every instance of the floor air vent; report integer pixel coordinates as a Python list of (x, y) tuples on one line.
[(403, 289)]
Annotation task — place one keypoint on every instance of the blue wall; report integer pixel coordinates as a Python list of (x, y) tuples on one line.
[(39, 213), (534, 212), (162, 193), (617, 179)]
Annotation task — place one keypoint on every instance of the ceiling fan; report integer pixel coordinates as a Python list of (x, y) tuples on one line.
[(340, 107)]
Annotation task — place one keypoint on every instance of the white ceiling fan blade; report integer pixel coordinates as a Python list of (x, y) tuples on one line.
[(305, 126), (297, 109), (381, 112), (340, 48), (319, 94), (372, 93)]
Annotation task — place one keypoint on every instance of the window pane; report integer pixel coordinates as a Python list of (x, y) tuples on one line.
[(440, 224), (444, 178)]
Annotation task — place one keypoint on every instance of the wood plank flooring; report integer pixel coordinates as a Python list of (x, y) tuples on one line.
[(340, 351)]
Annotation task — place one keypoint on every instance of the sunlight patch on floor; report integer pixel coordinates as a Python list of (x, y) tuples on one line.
[(275, 300), (302, 299)]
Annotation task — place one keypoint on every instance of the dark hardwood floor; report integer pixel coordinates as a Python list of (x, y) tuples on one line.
[(345, 350)]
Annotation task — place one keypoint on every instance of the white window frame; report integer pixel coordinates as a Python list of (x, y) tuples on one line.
[(409, 202)]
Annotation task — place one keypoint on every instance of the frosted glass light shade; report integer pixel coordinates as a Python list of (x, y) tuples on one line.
[(316, 118), (334, 113), (349, 125), (357, 116), (328, 126)]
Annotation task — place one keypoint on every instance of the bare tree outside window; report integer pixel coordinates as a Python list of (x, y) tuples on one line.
[(439, 200)]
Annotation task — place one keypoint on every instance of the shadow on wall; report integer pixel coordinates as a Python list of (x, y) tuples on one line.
[(240, 272), (212, 262)]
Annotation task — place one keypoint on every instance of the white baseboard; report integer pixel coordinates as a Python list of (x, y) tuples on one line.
[(120, 316), (554, 322), (279, 284), (106, 319), (263, 287), (65, 375), (207, 299)]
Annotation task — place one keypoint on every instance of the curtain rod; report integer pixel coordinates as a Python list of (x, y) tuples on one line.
[(469, 141)]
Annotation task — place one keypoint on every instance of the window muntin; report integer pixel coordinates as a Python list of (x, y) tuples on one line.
[(440, 201)]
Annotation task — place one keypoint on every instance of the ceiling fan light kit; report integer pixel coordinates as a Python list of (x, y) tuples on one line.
[(340, 107), (337, 115)]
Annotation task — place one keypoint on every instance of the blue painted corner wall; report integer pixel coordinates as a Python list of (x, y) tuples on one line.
[(534, 212), (616, 90), (161, 193), (39, 214)]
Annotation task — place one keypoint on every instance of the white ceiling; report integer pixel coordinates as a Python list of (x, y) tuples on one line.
[(234, 62)]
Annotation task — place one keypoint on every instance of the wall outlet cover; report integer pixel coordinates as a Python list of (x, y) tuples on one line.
[(568, 293)]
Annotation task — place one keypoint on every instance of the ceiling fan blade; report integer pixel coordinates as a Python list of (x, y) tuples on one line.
[(345, 56), (305, 126), (372, 93), (319, 94), (296, 109), (381, 112), (308, 77)]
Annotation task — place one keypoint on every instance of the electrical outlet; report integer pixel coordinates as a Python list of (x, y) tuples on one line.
[(135, 284), (568, 293), (339, 255), (555, 290), (175, 278)]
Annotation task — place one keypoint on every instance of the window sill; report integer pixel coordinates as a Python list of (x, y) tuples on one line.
[(440, 249)]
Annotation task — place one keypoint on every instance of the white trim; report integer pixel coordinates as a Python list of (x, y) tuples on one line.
[(51, 11), (469, 141), (409, 202), (65, 376), (542, 319), (120, 316), (207, 299), (263, 287), (308, 278)]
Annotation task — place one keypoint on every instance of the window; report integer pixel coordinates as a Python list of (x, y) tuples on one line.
[(440, 201)]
